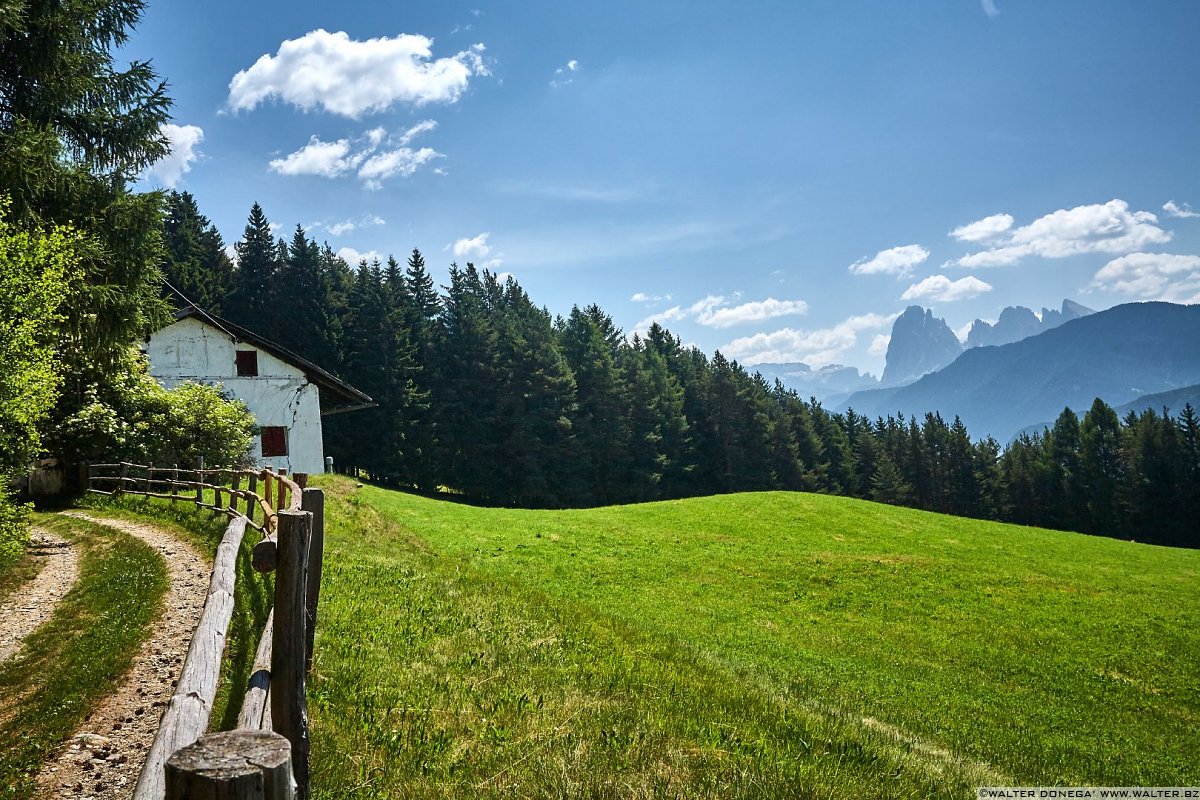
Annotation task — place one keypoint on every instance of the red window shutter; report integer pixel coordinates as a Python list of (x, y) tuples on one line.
[(247, 363), (274, 441)]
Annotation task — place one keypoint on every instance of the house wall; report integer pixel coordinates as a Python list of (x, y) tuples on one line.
[(192, 350)]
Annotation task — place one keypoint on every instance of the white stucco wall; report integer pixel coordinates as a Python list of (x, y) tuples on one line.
[(192, 350)]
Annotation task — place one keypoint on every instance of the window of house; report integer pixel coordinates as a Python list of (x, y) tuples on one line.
[(274, 441), (247, 363)]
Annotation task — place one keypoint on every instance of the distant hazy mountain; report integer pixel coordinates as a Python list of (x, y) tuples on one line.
[(1122, 354), (1018, 322), (831, 383), (1173, 401), (920, 344)]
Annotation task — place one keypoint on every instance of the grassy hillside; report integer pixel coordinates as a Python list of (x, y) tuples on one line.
[(767, 644)]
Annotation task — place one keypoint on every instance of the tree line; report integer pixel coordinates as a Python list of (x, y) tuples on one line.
[(483, 393)]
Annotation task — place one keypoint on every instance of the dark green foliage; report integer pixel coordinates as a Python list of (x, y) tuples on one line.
[(74, 130), (196, 262)]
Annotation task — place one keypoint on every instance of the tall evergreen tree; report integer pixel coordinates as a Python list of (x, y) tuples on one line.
[(251, 301), (196, 262)]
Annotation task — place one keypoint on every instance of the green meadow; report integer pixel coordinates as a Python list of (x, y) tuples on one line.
[(752, 645)]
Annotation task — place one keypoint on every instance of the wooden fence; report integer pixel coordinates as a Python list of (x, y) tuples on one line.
[(268, 755)]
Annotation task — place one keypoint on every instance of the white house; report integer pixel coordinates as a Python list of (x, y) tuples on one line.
[(287, 395)]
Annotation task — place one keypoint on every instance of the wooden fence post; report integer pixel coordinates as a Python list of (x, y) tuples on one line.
[(235, 765), (282, 503), (199, 480), (121, 482), (289, 708), (175, 481), (313, 500), (251, 503)]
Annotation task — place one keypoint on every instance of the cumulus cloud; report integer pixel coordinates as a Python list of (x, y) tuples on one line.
[(894, 261), (942, 289), (984, 229), (327, 159), (1153, 276), (755, 311), (354, 257), (340, 75), (374, 156), (476, 250), (879, 344), (1099, 228), (815, 347), (183, 140), (642, 297), (1179, 212)]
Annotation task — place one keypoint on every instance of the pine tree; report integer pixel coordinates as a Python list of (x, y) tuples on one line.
[(601, 433), (250, 302), (74, 132), (196, 262), (1100, 463)]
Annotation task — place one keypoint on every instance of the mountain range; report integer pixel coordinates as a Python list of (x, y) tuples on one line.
[(1120, 355)]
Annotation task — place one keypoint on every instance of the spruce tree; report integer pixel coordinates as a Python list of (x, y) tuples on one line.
[(196, 262), (256, 275)]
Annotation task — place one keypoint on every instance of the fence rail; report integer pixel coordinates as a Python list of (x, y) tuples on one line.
[(268, 755)]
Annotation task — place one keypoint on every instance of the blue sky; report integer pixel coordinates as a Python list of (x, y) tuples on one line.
[(776, 180)]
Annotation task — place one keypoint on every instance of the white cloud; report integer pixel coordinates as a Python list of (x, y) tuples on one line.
[(183, 139), (984, 229), (476, 251), (879, 344), (815, 347), (1155, 276), (989, 7), (363, 155), (347, 225), (327, 159), (353, 257), (941, 288), (335, 73), (562, 75), (751, 312), (338, 228), (424, 126), (403, 161), (1099, 228), (1179, 212), (473, 248), (642, 297), (894, 261)]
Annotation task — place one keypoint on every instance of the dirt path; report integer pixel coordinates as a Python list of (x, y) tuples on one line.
[(33, 603), (104, 757)]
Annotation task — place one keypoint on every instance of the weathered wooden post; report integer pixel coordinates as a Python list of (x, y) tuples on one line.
[(283, 488), (313, 501), (236, 494), (266, 476), (235, 765), (328, 464), (252, 485), (301, 479), (289, 708), (175, 481), (199, 480), (121, 482)]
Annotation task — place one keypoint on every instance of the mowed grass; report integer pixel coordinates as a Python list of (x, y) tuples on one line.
[(755, 645), (69, 664)]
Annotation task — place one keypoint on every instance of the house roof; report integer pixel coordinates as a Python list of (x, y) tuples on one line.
[(337, 396)]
